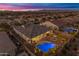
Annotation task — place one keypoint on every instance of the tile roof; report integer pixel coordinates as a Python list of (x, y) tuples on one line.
[(32, 30), (6, 45)]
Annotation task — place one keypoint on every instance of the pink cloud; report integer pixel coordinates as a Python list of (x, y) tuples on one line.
[(10, 7)]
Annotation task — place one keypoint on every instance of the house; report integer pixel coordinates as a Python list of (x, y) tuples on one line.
[(31, 30)]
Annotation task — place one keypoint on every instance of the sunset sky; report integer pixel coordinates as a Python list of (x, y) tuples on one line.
[(27, 6)]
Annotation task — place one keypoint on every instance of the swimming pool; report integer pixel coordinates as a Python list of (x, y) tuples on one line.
[(45, 46)]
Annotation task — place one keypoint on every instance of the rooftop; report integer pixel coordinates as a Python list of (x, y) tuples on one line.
[(6, 45), (31, 30)]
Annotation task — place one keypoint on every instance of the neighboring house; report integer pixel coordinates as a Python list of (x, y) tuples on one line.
[(50, 25)]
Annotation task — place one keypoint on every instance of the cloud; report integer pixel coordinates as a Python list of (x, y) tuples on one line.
[(23, 6)]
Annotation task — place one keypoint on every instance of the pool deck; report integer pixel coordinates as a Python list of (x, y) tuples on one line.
[(58, 38)]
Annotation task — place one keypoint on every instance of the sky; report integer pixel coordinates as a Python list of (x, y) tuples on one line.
[(28, 6)]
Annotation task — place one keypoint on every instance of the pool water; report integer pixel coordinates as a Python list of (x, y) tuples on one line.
[(45, 46)]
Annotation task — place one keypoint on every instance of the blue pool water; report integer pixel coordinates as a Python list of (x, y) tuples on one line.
[(70, 30), (44, 47)]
